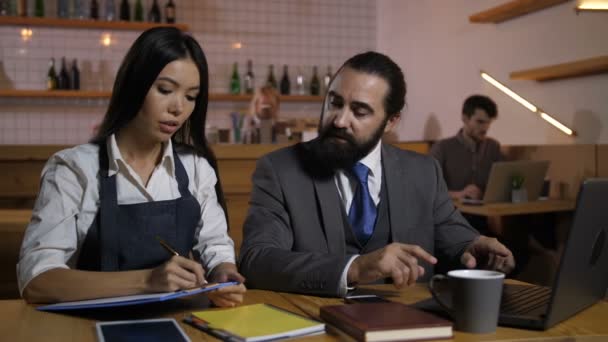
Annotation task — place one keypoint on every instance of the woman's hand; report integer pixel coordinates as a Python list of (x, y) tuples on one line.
[(178, 273), (231, 295)]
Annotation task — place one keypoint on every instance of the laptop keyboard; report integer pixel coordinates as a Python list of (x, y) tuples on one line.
[(520, 300)]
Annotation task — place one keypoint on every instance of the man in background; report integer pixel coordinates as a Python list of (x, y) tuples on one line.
[(467, 157)]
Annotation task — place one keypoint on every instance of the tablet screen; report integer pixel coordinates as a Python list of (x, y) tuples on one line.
[(152, 330)]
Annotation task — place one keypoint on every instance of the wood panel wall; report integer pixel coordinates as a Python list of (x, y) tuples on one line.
[(570, 165), (602, 161)]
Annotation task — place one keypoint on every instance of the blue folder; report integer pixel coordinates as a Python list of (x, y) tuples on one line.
[(131, 300)]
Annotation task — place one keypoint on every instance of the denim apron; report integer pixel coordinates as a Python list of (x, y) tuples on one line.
[(123, 237)]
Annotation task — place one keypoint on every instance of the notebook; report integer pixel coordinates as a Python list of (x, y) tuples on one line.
[(581, 279), (251, 323), (386, 322), (498, 188), (131, 300)]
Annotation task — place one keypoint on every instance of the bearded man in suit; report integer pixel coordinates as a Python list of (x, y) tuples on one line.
[(346, 209)]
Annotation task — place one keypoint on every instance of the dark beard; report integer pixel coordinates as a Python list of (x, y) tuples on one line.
[(324, 155)]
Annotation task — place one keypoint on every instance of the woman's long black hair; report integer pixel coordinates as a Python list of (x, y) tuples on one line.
[(149, 54)]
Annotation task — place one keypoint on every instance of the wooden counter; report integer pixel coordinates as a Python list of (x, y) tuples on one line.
[(22, 322)]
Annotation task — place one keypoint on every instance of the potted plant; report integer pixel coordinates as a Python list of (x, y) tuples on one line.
[(518, 192)]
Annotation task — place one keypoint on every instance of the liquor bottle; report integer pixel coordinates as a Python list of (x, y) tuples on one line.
[(249, 78), (63, 80), (235, 80), (270, 80), (154, 15), (79, 12), (94, 10), (22, 8), (285, 84), (39, 9), (315, 85), (125, 10), (300, 83), (63, 9), (139, 11), (110, 10), (75, 76), (170, 12), (51, 76), (327, 79)]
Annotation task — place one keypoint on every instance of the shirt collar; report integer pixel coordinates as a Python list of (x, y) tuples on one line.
[(373, 159), (467, 141), (115, 157)]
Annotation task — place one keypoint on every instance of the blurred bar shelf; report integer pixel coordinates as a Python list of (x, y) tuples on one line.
[(512, 9), (85, 23), (584, 67), (106, 94)]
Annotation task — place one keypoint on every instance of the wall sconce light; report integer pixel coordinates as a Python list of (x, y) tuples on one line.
[(591, 5), (106, 39), (26, 34), (565, 129)]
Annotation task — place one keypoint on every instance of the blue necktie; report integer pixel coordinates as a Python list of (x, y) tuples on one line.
[(362, 213)]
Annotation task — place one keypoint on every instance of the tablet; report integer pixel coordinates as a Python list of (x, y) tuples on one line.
[(150, 330)]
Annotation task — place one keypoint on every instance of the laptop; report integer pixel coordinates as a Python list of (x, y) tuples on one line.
[(501, 175), (581, 279)]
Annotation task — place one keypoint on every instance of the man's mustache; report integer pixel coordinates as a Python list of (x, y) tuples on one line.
[(338, 133)]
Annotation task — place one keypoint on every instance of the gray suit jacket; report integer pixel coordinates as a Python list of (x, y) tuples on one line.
[(294, 231)]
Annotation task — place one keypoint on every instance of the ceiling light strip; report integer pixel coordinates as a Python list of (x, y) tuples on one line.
[(527, 104)]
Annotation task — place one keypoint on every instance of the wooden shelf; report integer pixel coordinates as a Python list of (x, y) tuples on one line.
[(87, 23), (512, 9), (106, 94), (590, 66)]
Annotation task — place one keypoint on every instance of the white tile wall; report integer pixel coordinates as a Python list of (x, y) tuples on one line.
[(299, 33)]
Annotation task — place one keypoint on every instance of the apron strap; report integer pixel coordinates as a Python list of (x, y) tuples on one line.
[(108, 207)]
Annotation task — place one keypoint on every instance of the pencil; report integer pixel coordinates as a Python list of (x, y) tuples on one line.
[(166, 246)]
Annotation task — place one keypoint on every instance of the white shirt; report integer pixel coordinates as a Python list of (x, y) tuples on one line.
[(68, 203), (347, 185)]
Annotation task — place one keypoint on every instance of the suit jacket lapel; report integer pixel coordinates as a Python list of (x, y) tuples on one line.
[(329, 202), (396, 177)]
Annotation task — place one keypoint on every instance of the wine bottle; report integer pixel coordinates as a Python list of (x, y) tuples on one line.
[(170, 12), (125, 10), (249, 78), (94, 10), (4, 7), (235, 80), (285, 84), (63, 80), (270, 80), (315, 85), (78, 10), (154, 15), (51, 76), (139, 11), (63, 9), (75, 76), (110, 10), (39, 9)]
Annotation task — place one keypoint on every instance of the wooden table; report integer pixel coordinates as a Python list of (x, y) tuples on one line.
[(22, 322), (507, 209)]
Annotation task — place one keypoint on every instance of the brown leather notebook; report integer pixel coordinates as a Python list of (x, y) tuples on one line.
[(386, 322)]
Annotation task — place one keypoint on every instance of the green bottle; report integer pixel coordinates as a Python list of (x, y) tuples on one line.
[(39, 10), (139, 11), (235, 80)]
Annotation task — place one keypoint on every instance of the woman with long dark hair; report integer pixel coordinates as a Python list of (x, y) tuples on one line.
[(147, 176)]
